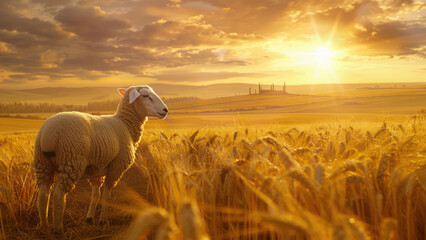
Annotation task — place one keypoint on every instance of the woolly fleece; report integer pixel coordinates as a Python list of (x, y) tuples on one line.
[(85, 144)]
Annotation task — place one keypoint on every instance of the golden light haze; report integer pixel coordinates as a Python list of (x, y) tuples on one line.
[(116, 43)]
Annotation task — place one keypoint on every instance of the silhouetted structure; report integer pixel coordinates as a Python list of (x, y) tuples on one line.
[(270, 91)]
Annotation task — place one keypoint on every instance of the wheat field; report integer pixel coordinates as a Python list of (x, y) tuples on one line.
[(335, 180)]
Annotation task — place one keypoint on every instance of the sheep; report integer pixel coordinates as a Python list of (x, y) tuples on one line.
[(75, 145)]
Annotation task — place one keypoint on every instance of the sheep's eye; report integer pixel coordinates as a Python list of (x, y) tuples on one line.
[(147, 96)]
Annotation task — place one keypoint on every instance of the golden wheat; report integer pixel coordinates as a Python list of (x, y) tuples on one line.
[(334, 181)]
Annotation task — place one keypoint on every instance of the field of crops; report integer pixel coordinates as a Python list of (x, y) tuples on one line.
[(330, 180)]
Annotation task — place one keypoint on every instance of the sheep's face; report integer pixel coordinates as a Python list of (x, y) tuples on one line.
[(145, 97)]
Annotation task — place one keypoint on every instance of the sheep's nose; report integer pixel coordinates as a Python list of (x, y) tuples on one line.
[(166, 110)]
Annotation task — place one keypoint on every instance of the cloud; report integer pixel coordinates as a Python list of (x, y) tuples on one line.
[(401, 6), (267, 17), (24, 40), (189, 33), (187, 76), (105, 63), (19, 78), (365, 28), (13, 61), (6, 49), (175, 34), (52, 3), (393, 38), (359, 12), (90, 23), (91, 39), (51, 75), (12, 21), (127, 59)]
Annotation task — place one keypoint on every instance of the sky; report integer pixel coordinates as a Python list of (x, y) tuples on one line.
[(69, 43)]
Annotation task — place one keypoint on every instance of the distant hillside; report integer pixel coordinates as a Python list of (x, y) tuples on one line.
[(403, 100), (59, 95), (95, 106), (407, 100), (68, 95)]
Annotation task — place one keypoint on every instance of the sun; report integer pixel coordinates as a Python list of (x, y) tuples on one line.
[(323, 56)]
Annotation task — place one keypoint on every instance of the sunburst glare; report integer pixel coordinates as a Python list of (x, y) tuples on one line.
[(323, 55)]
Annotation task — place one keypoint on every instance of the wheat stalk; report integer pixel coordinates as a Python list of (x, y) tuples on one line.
[(288, 160), (384, 168), (272, 141), (369, 136), (342, 147), (330, 151), (354, 179), (319, 174), (379, 132), (193, 136), (348, 137), (150, 218), (285, 223), (387, 228), (234, 137), (303, 180), (192, 225)]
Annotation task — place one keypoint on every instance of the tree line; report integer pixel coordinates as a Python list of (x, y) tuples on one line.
[(107, 105)]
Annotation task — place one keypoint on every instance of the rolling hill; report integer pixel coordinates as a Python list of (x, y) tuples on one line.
[(386, 101), (80, 95), (372, 104)]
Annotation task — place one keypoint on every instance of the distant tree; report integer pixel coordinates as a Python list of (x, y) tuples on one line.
[(107, 105)]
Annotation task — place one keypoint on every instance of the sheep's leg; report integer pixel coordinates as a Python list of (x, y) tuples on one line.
[(44, 172), (44, 179), (70, 169), (43, 205), (106, 194), (66, 182), (59, 198), (111, 179), (96, 184)]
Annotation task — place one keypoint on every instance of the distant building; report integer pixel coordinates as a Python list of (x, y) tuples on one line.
[(270, 91)]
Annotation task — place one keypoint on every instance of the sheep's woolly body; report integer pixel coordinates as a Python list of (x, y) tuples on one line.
[(76, 145), (86, 146), (127, 114)]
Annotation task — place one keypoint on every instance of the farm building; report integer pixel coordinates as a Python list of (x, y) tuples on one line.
[(270, 91)]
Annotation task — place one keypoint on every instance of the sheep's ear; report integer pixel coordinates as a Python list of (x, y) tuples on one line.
[(121, 91), (133, 95)]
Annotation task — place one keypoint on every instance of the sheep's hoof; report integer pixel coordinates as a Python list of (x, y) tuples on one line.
[(103, 223), (58, 231), (43, 228), (89, 220)]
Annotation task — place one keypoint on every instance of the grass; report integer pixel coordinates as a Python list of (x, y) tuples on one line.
[(387, 101), (11, 124), (344, 178), (14, 125)]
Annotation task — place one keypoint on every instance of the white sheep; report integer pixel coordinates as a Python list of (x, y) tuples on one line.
[(76, 146)]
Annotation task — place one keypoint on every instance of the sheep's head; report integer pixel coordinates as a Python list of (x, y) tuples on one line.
[(143, 96)]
